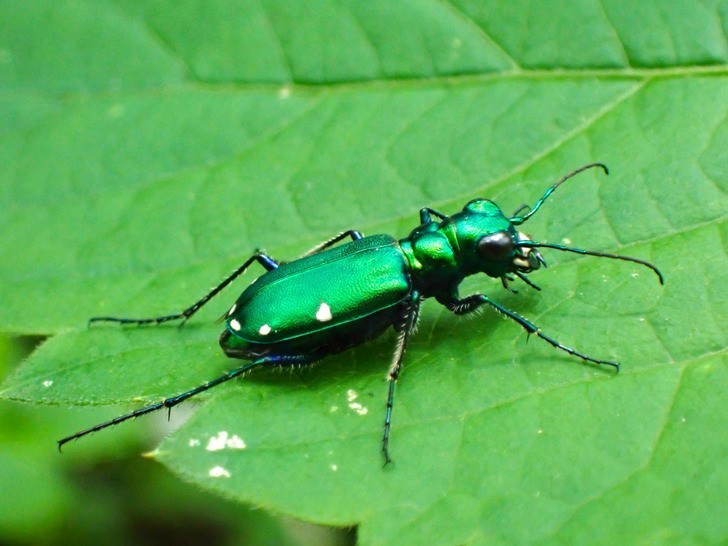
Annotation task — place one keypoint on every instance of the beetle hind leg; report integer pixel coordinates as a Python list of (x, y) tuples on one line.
[(263, 259), (169, 403)]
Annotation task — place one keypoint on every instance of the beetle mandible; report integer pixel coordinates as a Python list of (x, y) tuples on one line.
[(336, 297)]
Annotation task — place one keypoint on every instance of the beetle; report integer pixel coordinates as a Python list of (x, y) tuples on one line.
[(338, 296)]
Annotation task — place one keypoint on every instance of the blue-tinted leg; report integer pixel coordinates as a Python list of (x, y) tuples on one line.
[(169, 403), (354, 234), (263, 259), (471, 303)]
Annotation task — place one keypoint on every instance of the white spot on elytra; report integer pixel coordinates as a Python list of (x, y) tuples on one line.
[(47, 383), (264, 330), (224, 440), (232, 309), (219, 472), (235, 325), (324, 313)]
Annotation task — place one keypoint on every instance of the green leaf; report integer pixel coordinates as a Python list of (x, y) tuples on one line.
[(164, 142)]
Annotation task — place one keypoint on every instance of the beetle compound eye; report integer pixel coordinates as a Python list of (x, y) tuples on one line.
[(496, 247)]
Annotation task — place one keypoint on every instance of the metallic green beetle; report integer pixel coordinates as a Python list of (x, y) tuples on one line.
[(337, 297)]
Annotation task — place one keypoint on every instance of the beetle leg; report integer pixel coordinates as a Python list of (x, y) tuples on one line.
[(169, 403), (355, 235), (505, 279), (263, 259), (471, 303), (528, 281), (405, 329), (427, 213), (520, 209)]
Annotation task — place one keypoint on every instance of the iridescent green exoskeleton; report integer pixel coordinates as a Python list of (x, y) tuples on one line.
[(337, 296)]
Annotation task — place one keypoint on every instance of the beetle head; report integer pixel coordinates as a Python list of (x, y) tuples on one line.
[(489, 242)]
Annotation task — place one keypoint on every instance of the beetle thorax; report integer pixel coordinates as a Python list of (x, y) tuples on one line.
[(433, 259)]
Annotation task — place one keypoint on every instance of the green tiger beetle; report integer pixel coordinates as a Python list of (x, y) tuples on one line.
[(335, 297)]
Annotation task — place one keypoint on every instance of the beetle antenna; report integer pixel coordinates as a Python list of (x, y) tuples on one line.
[(531, 244), (518, 220)]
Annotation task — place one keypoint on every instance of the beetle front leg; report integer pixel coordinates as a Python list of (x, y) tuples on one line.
[(405, 328), (263, 259), (471, 303)]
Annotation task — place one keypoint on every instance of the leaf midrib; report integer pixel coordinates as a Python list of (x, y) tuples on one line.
[(716, 69)]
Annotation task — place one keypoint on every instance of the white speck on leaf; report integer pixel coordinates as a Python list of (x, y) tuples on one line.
[(351, 396), (219, 472), (236, 442), (116, 111), (224, 440)]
